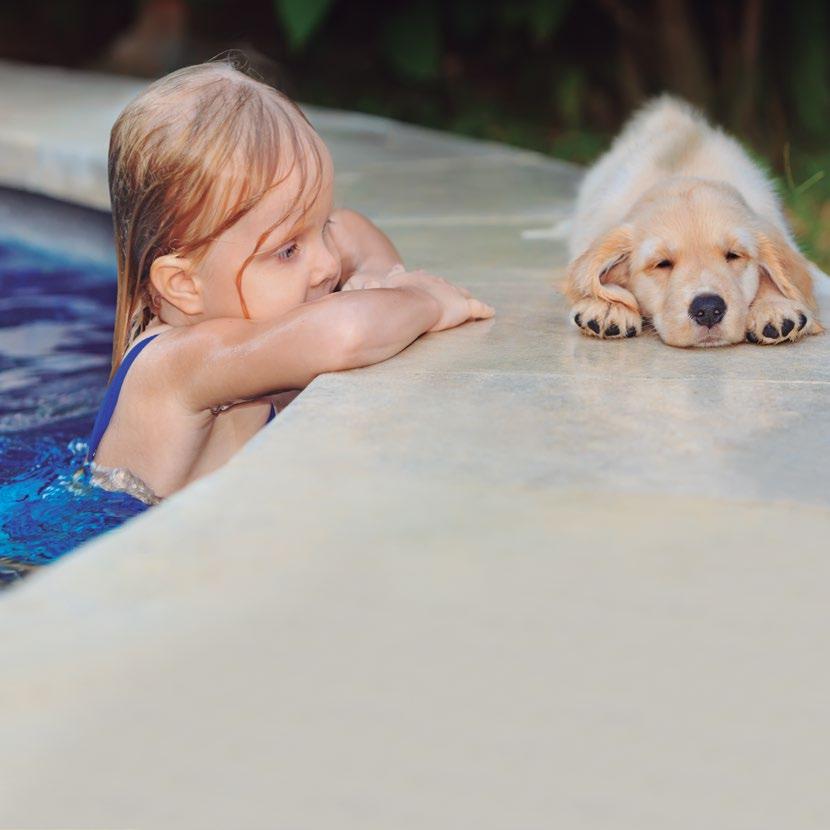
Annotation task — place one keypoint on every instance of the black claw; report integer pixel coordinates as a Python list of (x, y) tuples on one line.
[(802, 321), (770, 331), (594, 326), (578, 319), (787, 326), (631, 331), (612, 331), (750, 336)]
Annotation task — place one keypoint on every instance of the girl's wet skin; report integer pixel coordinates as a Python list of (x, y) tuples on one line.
[(238, 283)]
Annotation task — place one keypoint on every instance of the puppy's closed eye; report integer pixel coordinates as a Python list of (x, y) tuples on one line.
[(731, 256), (665, 263)]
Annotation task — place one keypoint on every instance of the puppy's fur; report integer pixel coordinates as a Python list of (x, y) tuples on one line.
[(676, 224)]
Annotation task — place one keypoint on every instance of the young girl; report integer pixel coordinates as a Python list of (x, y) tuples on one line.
[(230, 257)]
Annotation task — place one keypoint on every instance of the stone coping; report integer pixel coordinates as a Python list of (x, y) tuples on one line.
[(56, 123), (510, 578)]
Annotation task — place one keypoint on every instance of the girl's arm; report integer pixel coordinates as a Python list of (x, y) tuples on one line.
[(228, 360), (365, 250)]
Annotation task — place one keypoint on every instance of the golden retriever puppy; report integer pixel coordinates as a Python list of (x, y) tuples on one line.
[(677, 225)]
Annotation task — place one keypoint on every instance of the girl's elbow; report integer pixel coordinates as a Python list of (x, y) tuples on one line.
[(349, 348)]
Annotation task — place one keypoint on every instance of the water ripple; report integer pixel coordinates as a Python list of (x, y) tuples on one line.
[(55, 337)]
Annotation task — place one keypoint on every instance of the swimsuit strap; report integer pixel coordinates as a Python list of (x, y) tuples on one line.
[(111, 396)]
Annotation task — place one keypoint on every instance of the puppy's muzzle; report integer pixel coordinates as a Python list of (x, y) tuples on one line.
[(707, 310)]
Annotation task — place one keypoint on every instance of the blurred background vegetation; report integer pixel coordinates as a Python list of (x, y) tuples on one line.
[(558, 76)]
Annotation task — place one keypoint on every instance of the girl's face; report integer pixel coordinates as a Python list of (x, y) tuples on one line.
[(296, 263)]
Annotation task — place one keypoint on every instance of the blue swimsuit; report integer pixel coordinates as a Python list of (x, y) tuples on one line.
[(114, 390)]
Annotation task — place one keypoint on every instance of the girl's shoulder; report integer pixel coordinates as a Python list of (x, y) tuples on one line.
[(173, 358), (173, 342), (152, 357)]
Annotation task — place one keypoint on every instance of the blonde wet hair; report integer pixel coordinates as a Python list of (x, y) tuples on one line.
[(188, 158)]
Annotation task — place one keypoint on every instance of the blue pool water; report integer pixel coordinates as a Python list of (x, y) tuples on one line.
[(55, 338)]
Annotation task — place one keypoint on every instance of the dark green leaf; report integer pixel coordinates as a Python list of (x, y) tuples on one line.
[(810, 65), (545, 16), (301, 18), (411, 40), (570, 92), (466, 17)]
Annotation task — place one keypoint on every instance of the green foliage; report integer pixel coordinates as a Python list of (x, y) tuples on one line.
[(810, 73), (580, 146), (466, 18), (569, 93), (411, 40), (545, 16), (540, 18), (301, 18), (806, 190), (560, 77), (413, 34)]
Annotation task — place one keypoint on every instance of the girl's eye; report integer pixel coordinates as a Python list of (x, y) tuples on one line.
[(664, 263), (732, 255), (288, 251)]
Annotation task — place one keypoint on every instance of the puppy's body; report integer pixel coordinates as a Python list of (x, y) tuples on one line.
[(666, 138), (677, 224)]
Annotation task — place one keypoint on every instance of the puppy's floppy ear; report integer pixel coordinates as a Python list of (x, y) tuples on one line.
[(602, 270), (786, 266)]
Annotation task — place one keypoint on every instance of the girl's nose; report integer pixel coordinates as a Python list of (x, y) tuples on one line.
[(328, 268)]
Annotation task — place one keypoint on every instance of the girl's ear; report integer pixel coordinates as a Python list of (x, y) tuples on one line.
[(173, 279), (603, 271)]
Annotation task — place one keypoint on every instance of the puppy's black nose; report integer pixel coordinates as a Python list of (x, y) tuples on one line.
[(707, 310)]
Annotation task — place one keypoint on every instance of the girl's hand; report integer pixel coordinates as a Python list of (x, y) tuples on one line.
[(372, 279), (357, 282), (456, 304)]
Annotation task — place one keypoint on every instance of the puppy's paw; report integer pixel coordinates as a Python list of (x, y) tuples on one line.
[(608, 321), (774, 320)]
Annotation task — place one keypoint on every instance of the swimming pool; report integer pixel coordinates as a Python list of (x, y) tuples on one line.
[(56, 316)]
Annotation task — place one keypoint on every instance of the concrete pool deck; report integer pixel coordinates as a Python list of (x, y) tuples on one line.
[(511, 578)]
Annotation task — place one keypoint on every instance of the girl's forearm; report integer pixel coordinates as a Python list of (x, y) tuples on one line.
[(232, 360)]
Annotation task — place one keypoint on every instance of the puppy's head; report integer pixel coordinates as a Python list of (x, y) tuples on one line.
[(692, 253)]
